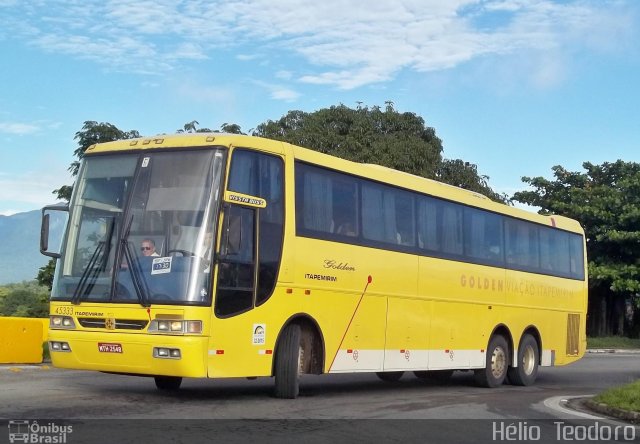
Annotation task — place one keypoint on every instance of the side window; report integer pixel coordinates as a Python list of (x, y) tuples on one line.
[(314, 200), (577, 256), (326, 203), (522, 245), (428, 237), (387, 215), (439, 226), (406, 219), (262, 175), (378, 214), (483, 236), (554, 251), (236, 268)]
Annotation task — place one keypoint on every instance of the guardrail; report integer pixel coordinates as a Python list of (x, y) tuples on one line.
[(21, 340)]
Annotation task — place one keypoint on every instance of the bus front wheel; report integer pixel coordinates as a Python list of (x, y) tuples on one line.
[(168, 382), (288, 363), (528, 357), (497, 362)]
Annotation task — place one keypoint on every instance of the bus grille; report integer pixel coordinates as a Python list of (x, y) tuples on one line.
[(120, 324), (573, 334)]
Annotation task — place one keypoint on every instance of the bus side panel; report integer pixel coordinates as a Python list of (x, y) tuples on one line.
[(408, 322), (467, 303), (555, 307), (356, 345), (243, 345), (330, 279)]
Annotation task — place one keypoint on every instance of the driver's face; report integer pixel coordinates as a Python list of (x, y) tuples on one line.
[(147, 249)]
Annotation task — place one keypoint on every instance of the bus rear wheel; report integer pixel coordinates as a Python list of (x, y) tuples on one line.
[(497, 362), (168, 382), (390, 376), (528, 358), (288, 363)]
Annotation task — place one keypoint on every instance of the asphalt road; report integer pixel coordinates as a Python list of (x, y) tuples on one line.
[(338, 408)]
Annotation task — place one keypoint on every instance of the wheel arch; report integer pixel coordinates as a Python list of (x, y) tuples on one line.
[(311, 331), (535, 333), (503, 330)]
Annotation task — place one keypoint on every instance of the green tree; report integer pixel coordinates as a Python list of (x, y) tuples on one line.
[(231, 128), (192, 127), (27, 299), (465, 175), (605, 199), (374, 135), (45, 274)]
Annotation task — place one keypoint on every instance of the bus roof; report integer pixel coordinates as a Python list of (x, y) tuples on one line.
[(371, 171)]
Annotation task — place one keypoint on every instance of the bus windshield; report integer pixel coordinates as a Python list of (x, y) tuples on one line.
[(141, 229)]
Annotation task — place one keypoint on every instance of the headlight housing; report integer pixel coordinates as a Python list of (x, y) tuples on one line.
[(61, 322), (175, 326)]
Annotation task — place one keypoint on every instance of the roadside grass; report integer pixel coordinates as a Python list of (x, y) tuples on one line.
[(626, 397), (613, 342)]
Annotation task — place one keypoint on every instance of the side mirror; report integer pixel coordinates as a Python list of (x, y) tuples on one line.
[(44, 229)]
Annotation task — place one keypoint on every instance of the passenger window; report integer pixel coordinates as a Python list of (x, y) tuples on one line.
[(387, 215), (577, 256), (440, 226), (326, 203), (554, 251), (483, 236), (522, 244)]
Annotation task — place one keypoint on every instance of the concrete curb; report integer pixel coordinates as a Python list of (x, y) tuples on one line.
[(613, 350), (604, 409)]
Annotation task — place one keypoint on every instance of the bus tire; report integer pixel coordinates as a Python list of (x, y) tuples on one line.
[(528, 358), (168, 382), (497, 362), (390, 376), (289, 359)]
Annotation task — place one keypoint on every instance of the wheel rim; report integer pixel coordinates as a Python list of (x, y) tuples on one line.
[(528, 360), (498, 362), (300, 360)]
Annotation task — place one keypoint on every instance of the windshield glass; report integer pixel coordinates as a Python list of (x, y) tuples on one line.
[(141, 229)]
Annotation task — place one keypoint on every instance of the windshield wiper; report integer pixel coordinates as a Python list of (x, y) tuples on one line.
[(91, 272), (90, 269), (139, 282)]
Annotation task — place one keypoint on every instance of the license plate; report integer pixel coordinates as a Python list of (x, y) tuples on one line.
[(104, 347)]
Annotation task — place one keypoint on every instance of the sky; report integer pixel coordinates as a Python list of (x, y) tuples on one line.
[(514, 86)]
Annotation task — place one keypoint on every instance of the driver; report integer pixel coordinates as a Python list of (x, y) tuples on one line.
[(148, 248)]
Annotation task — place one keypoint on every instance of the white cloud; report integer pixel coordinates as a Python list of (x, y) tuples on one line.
[(284, 75), (346, 44), (18, 128), (278, 92)]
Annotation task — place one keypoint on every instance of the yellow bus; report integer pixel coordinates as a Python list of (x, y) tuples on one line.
[(217, 255)]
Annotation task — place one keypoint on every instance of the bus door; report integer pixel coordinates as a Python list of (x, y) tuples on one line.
[(247, 263)]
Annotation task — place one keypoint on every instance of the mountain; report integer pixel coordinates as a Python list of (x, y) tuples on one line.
[(20, 257)]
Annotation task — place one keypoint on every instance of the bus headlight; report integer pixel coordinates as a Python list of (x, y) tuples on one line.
[(171, 326), (59, 346), (166, 353), (61, 322)]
